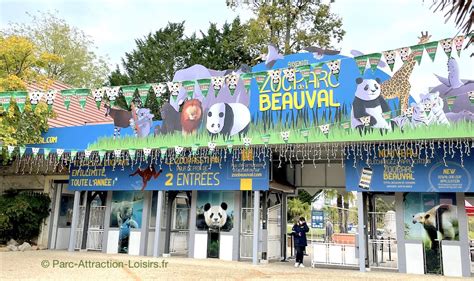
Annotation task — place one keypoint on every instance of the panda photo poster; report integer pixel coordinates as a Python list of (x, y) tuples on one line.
[(215, 210)]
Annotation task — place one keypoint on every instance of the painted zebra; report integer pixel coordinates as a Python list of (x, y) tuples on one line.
[(427, 112)]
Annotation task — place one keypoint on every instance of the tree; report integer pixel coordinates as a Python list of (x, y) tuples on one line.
[(297, 209), (292, 25), (462, 10), (78, 64), (19, 64), (304, 196)]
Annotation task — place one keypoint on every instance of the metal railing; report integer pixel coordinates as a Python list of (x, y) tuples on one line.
[(179, 242), (333, 254), (383, 253)]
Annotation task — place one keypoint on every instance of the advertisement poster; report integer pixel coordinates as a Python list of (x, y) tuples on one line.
[(410, 170), (431, 218), (191, 173), (126, 213), (317, 219), (215, 210)]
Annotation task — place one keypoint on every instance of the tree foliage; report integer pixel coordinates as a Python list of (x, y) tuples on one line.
[(75, 61), (297, 208), (292, 25), (22, 214)]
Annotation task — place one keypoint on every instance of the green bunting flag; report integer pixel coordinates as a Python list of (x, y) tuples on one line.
[(260, 78), (82, 95), (59, 153), (5, 98), (10, 150), (35, 151), (217, 83), (231, 81), (128, 92), (458, 41), (98, 94), (417, 51), (374, 60), (73, 154), (132, 153), (304, 133), (447, 45), (87, 154), (22, 151), (247, 79), (431, 48), (304, 70), (204, 85), (229, 145), (194, 149), (34, 98), (317, 69), (361, 62), (334, 67), (450, 101), (159, 89), (265, 139), (20, 99), (173, 88), (163, 151), (50, 96), (46, 152), (101, 155), (143, 91), (67, 94), (189, 88), (390, 57)]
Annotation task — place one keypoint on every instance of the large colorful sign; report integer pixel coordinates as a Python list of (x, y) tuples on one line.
[(411, 170), (183, 173)]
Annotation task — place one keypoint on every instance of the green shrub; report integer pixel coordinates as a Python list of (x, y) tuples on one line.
[(21, 214)]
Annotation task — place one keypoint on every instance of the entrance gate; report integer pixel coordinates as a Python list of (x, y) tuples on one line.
[(95, 231)]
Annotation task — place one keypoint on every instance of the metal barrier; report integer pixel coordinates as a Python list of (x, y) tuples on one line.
[(333, 254), (179, 242), (95, 231), (383, 253)]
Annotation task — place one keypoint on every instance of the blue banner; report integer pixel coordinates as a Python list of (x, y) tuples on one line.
[(411, 171), (317, 219), (203, 173)]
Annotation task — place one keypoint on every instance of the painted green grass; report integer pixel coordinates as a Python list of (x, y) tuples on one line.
[(461, 129)]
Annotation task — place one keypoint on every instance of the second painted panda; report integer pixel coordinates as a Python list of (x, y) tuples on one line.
[(227, 119), (214, 217), (369, 103), (440, 219)]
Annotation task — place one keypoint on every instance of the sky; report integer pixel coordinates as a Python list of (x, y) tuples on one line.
[(371, 25)]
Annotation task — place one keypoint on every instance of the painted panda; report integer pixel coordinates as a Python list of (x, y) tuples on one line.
[(227, 119), (214, 217), (441, 219), (369, 103)]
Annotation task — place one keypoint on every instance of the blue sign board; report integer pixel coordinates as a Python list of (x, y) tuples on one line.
[(202, 173), (406, 171), (317, 219)]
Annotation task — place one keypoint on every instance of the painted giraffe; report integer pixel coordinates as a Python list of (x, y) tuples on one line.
[(399, 85)]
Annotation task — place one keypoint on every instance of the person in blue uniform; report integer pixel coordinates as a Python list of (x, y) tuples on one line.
[(299, 231)]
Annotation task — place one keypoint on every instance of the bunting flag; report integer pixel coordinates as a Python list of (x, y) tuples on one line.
[(217, 83), (247, 141), (285, 136), (73, 154), (447, 45), (10, 150), (458, 41), (361, 62), (22, 151), (204, 85), (82, 95), (159, 89), (324, 129), (334, 67), (35, 98), (143, 91), (304, 70), (98, 94), (117, 153), (59, 153), (87, 154), (128, 92), (46, 152), (450, 101), (177, 150), (35, 151), (417, 51), (50, 96), (132, 153), (211, 146), (260, 78), (431, 48), (189, 88), (101, 155), (146, 153), (20, 100), (174, 88), (387, 116), (67, 94), (231, 82), (390, 57), (194, 149), (247, 79), (374, 60), (304, 133), (112, 94), (471, 97), (5, 98), (163, 151), (404, 53), (317, 69)]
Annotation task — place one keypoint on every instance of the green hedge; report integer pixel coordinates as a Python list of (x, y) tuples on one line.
[(21, 214)]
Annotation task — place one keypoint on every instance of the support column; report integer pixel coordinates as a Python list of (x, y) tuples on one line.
[(85, 226), (283, 223), (159, 208), (256, 226), (75, 218), (192, 224), (361, 230), (169, 211), (264, 227)]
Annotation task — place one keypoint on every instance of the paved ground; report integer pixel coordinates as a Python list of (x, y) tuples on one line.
[(45, 265)]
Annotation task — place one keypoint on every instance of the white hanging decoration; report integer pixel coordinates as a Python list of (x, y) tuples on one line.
[(35, 151), (247, 141), (289, 74), (217, 83), (285, 136), (98, 94), (178, 149), (112, 93), (212, 147), (174, 87), (231, 81), (87, 153), (159, 89), (59, 153), (146, 153), (50, 96), (365, 120), (117, 153), (10, 150), (35, 97)]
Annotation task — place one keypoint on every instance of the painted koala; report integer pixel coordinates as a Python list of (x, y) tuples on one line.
[(289, 74), (247, 141), (112, 93), (285, 135), (335, 66), (97, 94), (159, 89), (144, 122), (447, 45), (458, 41), (390, 56), (174, 88), (232, 80), (50, 96), (211, 145), (404, 53), (324, 129), (217, 82), (178, 149), (35, 97), (275, 75)]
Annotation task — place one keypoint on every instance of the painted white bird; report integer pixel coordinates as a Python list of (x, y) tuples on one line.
[(271, 56)]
